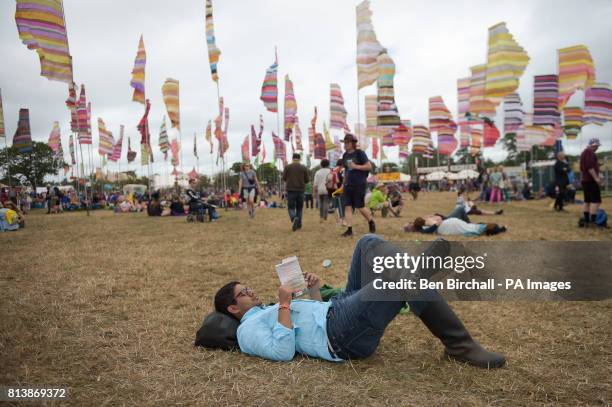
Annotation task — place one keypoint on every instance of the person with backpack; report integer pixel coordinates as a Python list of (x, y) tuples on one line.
[(323, 182), (357, 166)]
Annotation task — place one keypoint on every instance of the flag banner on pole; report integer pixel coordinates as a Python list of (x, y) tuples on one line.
[(490, 133), (213, 51), (208, 135), (55, 139), (440, 118), (280, 151), (118, 146), (298, 135), (22, 140), (195, 145), (513, 113), (42, 27), (269, 88), (447, 143), (164, 144), (371, 106), (144, 154), (138, 73), (224, 146), (421, 139), (479, 104), (2, 130), (329, 143), (254, 142), (403, 152), (387, 115), (244, 148), (598, 104), (463, 106), (368, 47), (573, 120), (375, 148), (476, 138), (290, 108), (337, 112), (193, 174), (131, 154), (84, 119), (170, 93), (387, 139), (71, 149), (506, 63), (319, 148), (145, 134), (71, 102), (540, 135), (576, 71), (522, 145), (263, 153), (546, 100), (175, 149), (105, 146), (74, 120), (312, 133)]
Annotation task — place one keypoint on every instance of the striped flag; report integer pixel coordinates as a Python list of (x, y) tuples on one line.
[(213, 51), (105, 146), (55, 139), (368, 47), (269, 88), (576, 71), (337, 112), (118, 146), (170, 93), (290, 108), (22, 140), (138, 73)]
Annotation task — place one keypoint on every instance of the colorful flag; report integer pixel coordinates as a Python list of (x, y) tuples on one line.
[(476, 138), (463, 107), (74, 120), (362, 140), (513, 113), (539, 135), (506, 63), (387, 139), (42, 27), (71, 149), (71, 102), (144, 155), (598, 104), (375, 148), (319, 146), (368, 47), (387, 115), (84, 119), (479, 104), (371, 106), (546, 100), (329, 143), (298, 135), (164, 144), (403, 152), (170, 93), (22, 140), (245, 149), (573, 120), (269, 88), (490, 133), (224, 146), (105, 146), (145, 135), (440, 118), (263, 152), (312, 133), (290, 108), (138, 74), (55, 138), (175, 148), (118, 146), (421, 139), (208, 135), (2, 130), (576, 71), (279, 149), (254, 142), (337, 112), (131, 154), (213, 51)]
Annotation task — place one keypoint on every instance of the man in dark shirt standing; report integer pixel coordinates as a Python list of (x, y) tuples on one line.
[(562, 170), (589, 170), (357, 166), (296, 177)]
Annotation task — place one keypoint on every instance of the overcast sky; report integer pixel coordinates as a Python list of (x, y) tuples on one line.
[(432, 44)]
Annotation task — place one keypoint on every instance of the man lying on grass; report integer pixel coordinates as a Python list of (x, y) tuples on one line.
[(347, 327)]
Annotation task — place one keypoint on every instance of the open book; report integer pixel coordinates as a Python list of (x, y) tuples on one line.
[(290, 274)]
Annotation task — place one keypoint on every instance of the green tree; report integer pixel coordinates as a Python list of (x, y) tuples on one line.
[(29, 168)]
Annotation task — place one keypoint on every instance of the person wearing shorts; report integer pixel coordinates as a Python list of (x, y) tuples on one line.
[(589, 170), (248, 187), (357, 166)]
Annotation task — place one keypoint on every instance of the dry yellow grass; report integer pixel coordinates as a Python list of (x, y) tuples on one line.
[(108, 305)]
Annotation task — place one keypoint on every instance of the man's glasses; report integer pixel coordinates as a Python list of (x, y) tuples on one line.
[(244, 291)]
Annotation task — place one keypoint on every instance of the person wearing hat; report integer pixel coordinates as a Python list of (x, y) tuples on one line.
[(357, 167), (589, 170)]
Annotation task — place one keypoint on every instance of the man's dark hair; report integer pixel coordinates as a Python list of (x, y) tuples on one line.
[(296, 156), (418, 224), (225, 297), (324, 163), (340, 162)]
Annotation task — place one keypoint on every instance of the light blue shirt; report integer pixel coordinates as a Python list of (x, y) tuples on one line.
[(260, 333)]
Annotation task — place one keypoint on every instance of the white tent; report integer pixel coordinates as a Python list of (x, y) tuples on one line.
[(436, 176), (465, 174)]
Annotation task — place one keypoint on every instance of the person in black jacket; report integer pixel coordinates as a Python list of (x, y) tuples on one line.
[(562, 169)]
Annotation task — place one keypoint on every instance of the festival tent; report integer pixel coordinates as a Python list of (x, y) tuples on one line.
[(465, 174), (139, 188), (436, 176)]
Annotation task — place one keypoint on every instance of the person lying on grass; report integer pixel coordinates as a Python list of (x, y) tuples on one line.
[(347, 327)]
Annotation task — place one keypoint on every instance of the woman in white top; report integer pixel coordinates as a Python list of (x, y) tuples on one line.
[(320, 188)]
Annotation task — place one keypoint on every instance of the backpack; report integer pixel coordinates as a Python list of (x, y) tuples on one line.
[(331, 181), (601, 218), (218, 331)]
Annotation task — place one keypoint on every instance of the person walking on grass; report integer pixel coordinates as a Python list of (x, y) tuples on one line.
[(323, 180), (248, 187), (562, 170), (296, 176), (357, 166), (589, 170), (497, 180)]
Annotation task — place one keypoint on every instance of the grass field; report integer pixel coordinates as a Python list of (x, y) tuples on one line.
[(108, 305)]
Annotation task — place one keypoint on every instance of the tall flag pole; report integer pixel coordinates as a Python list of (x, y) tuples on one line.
[(290, 111), (164, 145), (213, 51), (269, 88)]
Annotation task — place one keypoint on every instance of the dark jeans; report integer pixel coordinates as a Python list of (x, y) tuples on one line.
[(309, 201), (295, 205), (560, 198), (354, 325)]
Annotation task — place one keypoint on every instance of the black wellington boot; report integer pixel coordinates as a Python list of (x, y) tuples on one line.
[(440, 319)]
